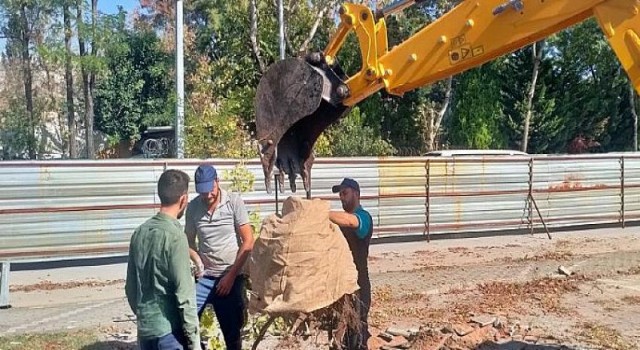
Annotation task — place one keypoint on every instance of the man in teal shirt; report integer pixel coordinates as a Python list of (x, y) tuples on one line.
[(356, 225), (159, 286)]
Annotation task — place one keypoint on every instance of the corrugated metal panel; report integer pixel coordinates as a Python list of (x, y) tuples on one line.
[(631, 188), (72, 209), (66, 209), (403, 201), (454, 195), (578, 190), (477, 195)]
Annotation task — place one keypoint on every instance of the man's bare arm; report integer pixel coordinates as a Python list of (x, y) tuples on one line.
[(246, 235), (344, 219)]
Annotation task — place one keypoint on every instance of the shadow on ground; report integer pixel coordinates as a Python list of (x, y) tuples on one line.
[(488, 345), (111, 345), (518, 345)]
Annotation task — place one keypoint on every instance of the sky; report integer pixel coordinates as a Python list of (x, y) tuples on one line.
[(111, 6)]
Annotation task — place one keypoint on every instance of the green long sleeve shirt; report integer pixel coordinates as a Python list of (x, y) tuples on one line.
[(159, 287)]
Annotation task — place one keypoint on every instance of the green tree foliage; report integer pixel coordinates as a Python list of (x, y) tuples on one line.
[(137, 90), (22, 23), (221, 35), (214, 128), (590, 89), (477, 110), (352, 138), (15, 130), (514, 79), (582, 91)]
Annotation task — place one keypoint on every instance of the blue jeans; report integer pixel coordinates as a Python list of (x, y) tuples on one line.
[(165, 342), (229, 309)]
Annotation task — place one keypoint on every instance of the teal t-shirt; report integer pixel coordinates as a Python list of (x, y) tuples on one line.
[(365, 222)]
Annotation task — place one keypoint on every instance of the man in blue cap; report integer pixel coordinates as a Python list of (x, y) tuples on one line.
[(357, 226), (225, 239)]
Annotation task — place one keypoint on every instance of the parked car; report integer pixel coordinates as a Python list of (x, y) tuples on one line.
[(474, 152)]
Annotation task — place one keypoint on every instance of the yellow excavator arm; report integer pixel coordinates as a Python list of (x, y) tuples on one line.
[(298, 98), (473, 33)]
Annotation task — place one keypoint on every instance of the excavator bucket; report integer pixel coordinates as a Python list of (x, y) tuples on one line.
[(296, 100)]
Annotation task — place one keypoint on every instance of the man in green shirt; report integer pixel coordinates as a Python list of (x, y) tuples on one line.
[(159, 286)]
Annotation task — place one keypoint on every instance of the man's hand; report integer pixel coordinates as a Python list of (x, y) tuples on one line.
[(197, 261), (199, 272), (225, 284)]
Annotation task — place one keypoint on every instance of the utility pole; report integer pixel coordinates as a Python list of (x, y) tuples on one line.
[(281, 22), (179, 81)]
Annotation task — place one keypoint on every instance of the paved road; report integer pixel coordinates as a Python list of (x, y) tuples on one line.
[(97, 301)]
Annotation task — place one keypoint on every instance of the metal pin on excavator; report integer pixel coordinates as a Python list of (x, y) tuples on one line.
[(298, 98)]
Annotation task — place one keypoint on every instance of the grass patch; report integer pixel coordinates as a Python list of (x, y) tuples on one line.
[(76, 340), (604, 336)]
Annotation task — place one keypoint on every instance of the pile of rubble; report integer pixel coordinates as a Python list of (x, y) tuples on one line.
[(481, 332)]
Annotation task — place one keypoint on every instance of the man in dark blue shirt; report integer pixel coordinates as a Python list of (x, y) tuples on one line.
[(357, 226)]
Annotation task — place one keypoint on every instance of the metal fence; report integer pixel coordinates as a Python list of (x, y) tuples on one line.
[(70, 209), (56, 210), (67, 209)]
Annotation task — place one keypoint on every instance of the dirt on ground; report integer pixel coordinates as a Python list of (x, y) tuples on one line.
[(580, 290), (571, 292)]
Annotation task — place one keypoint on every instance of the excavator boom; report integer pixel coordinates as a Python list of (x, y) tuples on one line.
[(300, 97)]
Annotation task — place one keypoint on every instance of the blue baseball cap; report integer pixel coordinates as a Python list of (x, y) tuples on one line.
[(205, 177), (347, 182)]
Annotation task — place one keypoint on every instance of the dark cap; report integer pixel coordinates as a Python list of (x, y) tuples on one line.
[(205, 176), (347, 182)]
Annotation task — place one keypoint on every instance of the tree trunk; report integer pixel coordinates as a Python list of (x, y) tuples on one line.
[(68, 77), (434, 119), (253, 34), (445, 106), (88, 103), (634, 114), (51, 87), (429, 132), (28, 80), (314, 28), (537, 57), (92, 77)]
